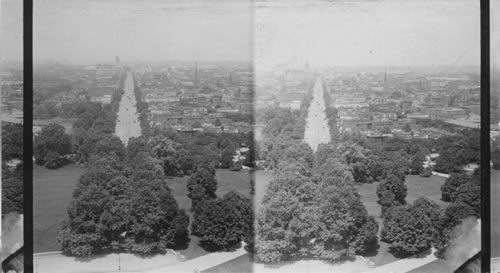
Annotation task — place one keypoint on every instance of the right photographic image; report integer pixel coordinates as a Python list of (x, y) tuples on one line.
[(495, 133), (368, 132)]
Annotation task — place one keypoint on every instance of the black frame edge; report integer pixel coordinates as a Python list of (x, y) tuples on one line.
[(485, 137), (28, 133)]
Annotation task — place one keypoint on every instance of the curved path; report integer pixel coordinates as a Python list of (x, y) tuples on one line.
[(317, 130), (128, 125)]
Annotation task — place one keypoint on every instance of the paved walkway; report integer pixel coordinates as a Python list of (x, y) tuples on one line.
[(201, 263), (313, 266), (50, 262), (403, 265), (317, 130), (128, 125)]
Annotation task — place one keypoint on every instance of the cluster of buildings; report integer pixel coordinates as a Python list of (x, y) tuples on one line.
[(11, 88), (375, 103), (189, 96)]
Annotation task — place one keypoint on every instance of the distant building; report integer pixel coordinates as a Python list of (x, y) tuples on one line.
[(101, 94), (447, 113)]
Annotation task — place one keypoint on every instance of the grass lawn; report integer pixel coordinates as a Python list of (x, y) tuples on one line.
[(417, 187), (242, 264), (53, 190), (495, 216), (52, 195)]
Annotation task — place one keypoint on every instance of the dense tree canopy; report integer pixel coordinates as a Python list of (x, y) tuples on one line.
[(12, 189), (411, 229), (313, 210), (223, 222), (123, 207), (52, 138), (391, 192), (452, 183), (12, 141)]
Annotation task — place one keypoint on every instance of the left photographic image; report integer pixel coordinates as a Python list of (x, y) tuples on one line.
[(11, 86), (142, 136)]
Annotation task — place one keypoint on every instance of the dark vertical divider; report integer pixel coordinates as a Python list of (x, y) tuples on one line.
[(485, 135), (27, 133)]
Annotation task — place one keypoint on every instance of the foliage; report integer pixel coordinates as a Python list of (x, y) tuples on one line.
[(12, 141), (416, 165), (123, 207), (12, 189), (495, 153), (236, 166), (411, 229), (226, 158), (452, 183), (391, 192), (53, 139), (221, 223), (313, 210), (202, 184), (426, 172)]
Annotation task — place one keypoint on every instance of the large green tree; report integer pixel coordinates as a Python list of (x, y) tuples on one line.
[(452, 183), (52, 138), (223, 222), (123, 207), (411, 229)]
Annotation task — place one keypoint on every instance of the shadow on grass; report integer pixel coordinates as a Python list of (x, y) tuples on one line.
[(406, 255), (211, 248), (372, 252), (302, 259)]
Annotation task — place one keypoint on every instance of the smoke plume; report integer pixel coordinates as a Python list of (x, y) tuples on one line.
[(465, 242), (12, 233)]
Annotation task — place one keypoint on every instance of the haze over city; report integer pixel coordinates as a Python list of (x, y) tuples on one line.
[(11, 31), (367, 33), (97, 31)]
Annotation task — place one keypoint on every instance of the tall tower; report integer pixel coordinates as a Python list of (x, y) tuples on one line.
[(385, 80), (196, 80), (117, 59), (196, 72)]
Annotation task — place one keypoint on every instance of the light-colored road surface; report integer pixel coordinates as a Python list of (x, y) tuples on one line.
[(55, 262), (201, 263), (128, 125), (51, 262), (313, 266), (403, 265), (317, 130)]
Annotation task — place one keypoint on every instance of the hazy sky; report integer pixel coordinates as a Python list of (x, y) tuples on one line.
[(149, 30), (495, 34), (11, 30), (415, 32)]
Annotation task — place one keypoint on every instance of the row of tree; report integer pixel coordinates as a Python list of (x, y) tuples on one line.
[(331, 115), (142, 109), (92, 133)]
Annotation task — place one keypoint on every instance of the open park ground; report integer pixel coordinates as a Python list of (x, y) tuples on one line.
[(417, 187), (53, 191)]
